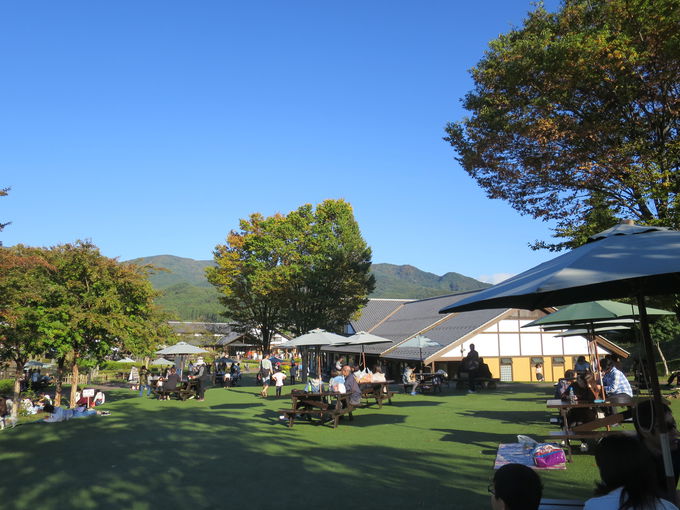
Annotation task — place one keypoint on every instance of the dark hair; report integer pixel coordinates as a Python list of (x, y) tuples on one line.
[(569, 374), (606, 363), (624, 462), (580, 359), (518, 486)]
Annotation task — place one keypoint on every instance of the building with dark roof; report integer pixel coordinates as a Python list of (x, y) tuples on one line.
[(510, 351)]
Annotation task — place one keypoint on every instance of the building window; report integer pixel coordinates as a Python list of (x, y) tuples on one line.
[(558, 360), (506, 369)]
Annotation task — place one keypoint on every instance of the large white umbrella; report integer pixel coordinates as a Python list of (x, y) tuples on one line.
[(126, 360), (314, 338), (363, 338), (181, 348), (420, 342), (162, 362), (624, 261)]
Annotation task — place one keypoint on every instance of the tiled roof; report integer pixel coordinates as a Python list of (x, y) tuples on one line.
[(375, 311), (413, 317)]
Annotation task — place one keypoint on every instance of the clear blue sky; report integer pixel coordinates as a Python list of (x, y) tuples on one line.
[(152, 127)]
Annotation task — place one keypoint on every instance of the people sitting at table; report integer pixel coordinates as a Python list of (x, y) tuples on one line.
[(409, 378), (581, 365), (515, 487), (337, 382), (314, 383), (170, 384), (352, 386), (627, 477), (613, 380), (562, 386), (647, 429), (483, 372), (584, 390)]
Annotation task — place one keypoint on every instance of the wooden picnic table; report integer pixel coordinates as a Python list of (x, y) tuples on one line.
[(380, 391), (592, 428), (326, 405)]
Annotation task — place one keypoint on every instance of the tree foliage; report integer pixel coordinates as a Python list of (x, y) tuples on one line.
[(71, 302), (293, 273), (575, 116)]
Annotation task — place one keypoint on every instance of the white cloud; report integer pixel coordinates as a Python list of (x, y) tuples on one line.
[(495, 278)]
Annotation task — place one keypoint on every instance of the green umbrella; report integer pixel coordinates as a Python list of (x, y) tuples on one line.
[(594, 312)]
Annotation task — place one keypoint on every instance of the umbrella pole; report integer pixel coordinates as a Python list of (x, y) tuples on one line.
[(363, 355), (656, 393)]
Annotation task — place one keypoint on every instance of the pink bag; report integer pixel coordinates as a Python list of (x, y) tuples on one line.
[(547, 455)]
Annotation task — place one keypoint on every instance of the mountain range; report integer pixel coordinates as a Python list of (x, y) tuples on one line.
[(187, 294)]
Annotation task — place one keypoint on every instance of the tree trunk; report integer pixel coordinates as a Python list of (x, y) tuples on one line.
[(74, 381), (61, 361), (663, 358), (16, 399)]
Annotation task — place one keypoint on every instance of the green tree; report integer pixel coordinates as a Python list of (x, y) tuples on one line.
[(102, 304), (576, 107), (24, 314), (330, 277), (293, 273)]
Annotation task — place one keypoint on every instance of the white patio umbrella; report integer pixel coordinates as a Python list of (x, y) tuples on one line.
[(420, 342), (126, 360), (624, 261), (162, 362), (314, 338), (363, 338), (34, 364), (181, 348)]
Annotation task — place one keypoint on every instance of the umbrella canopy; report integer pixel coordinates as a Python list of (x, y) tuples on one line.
[(181, 348), (596, 330), (315, 337), (34, 364), (162, 362), (275, 360), (420, 342), (609, 266), (126, 360), (624, 261), (594, 312), (362, 338)]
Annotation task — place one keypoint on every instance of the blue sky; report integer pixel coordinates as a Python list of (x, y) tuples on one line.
[(152, 127)]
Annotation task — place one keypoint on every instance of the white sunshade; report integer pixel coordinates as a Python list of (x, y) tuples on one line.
[(162, 362), (421, 342), (181, 348), (363, 338), (316, 337)]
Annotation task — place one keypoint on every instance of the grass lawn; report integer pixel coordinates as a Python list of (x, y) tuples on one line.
[(424, 452)]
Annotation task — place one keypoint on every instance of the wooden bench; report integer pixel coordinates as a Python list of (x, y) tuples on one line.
[(567, 436), (318, 404), (182, 392), (379, 391)]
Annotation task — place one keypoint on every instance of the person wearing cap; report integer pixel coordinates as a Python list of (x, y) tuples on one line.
[(200, 376)]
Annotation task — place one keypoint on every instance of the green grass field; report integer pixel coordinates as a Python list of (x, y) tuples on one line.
[(423, 452)]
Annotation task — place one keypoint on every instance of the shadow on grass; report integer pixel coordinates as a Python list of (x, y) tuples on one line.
[(151, 454), (482, 439), (513, 417)]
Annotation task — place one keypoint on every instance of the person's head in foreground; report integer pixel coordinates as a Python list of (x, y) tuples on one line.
[(625, 464), (346, 370), (515, 487)]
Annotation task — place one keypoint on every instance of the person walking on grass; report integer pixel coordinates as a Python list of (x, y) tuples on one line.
[(265, 374)]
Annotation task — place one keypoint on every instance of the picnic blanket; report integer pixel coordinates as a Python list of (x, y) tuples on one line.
[(515, 453)]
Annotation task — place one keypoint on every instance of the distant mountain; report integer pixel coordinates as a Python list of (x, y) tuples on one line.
[(406, 281), (188, 294)]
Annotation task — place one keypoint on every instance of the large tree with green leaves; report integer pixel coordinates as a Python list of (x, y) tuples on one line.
[(575, 116), (101, 304), (307, 269), (25, 318)]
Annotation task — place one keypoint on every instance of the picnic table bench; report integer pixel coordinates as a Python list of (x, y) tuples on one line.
[(593, 429), (182, 391), (318, 405), (380, 391)]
